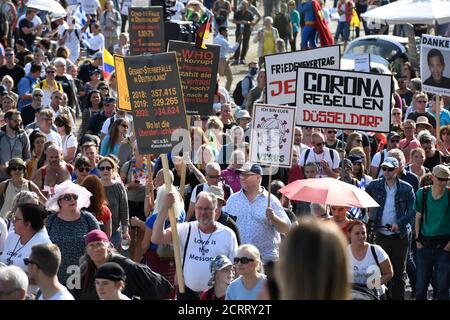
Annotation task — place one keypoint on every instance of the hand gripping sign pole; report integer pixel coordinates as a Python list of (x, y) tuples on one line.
[(173, 225)]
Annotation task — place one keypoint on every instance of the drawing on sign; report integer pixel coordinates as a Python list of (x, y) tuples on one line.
[(273, 132)]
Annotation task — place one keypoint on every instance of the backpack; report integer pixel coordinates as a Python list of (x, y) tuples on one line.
[(309, 150), (237, 93), (381, 161)]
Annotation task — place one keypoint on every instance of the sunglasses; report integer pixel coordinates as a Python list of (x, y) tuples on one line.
[(320, 144), (387, 169), (70, 197), (332, 131), (104, 88), (243, 260), (84, 169), (50, 71), (38, 95), (421, 101), (104, 168), (395, 141), (213, 177), (27, 261), (16, 168)]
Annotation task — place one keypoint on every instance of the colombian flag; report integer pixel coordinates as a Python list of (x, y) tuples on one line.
[(108, 64)]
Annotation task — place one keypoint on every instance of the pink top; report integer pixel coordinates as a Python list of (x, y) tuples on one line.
[(231, 178)]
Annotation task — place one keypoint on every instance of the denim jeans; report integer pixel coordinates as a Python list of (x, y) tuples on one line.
[(343, 28), (411, 269), (429, 259)]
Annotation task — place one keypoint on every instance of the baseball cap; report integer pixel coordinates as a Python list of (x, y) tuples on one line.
[(441, 171), (251, 167), (94, 71), (390, 162), (217, 191), (354, 158), (109, 100), (391, 135), (97, 55)]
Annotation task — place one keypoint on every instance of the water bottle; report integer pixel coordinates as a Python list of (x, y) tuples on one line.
[(125, 244)]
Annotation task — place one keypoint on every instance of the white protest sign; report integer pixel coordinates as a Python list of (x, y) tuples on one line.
[(435, 64), (273, 135), (343, 99), (281, 70), (362, 62)]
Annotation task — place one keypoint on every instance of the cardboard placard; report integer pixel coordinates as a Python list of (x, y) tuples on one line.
[(156, 99), (273, 135), (123, 96), (146, 29), (362, 62), (344, 99), (198, 73), (435, 64), (281, 70)]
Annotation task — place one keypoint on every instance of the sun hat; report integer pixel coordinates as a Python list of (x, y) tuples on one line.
[(68, 187)]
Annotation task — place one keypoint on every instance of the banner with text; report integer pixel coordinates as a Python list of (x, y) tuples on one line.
[(273, 135), (281, 70), (435, 64), (198, 73), (146, 29), (156, 99), (340, 99)]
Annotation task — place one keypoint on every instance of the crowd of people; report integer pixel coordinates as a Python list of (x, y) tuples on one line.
[(85, 216)]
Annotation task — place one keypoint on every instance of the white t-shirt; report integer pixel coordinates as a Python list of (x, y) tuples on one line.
[(90, 6), (36, 20), (206, 189), (97, 42), (363, 271), (53, 136), (376, 161), (197, 264), (125, 5), (316, 158), (3, 234), (342, 17), (15, 252), (68, 141), (177, 8), (72, 39), (107, 124), (64, 294)]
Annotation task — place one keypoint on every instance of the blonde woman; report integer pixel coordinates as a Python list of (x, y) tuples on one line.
[(251, 279), (314, 263)]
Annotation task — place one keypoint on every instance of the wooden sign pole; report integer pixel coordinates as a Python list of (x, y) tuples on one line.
[(438, 116), (173, 225), (268, 187)]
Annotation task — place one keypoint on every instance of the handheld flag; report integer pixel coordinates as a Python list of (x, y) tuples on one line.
[(203, 32), (108, 64)]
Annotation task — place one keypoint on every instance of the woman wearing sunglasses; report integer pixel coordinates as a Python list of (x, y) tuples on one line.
[(117, 133), (117, 199), (69, 224), (17, 182), (251, 279)]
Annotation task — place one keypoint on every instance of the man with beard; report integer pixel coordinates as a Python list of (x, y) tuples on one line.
[(55, 172), (13, 142)]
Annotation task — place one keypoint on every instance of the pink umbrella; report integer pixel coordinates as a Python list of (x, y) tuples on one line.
[(328, 191)]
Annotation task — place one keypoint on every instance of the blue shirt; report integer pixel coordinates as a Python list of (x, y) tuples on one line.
[(151, 221), (444, 116), (104, 147), (237, 291), (253, 224), (26, 86), (389, 216)]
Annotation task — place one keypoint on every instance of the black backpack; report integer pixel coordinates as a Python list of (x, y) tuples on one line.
[(237, 93)]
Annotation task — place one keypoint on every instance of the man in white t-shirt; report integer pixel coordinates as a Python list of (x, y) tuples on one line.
[(97, 42), (43, 265), (327, 160), (393, 140), (91, 8), (200, 242)]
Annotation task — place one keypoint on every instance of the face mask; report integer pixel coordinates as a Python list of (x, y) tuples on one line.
[(253, 71)]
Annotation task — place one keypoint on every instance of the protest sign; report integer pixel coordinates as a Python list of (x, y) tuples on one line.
[(156, 98), (435, 64), (273, 135), (123, 97), (281, 70), (362, 62), (146, 29), (343, 99), (198, 73)]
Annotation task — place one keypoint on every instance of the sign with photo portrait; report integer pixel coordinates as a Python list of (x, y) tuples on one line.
[(435, 64)]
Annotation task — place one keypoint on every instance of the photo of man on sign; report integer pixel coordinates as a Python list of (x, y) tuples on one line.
[(436, 65)]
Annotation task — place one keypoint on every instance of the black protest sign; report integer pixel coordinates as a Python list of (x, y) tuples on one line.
[(198, 73), (146, 29), (156, 99)]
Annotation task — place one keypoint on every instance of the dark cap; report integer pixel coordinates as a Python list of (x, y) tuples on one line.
[(251, 167), (94, 71), (111, 271), (354, 158), (95, 235), (109, 100), (391, 135)]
